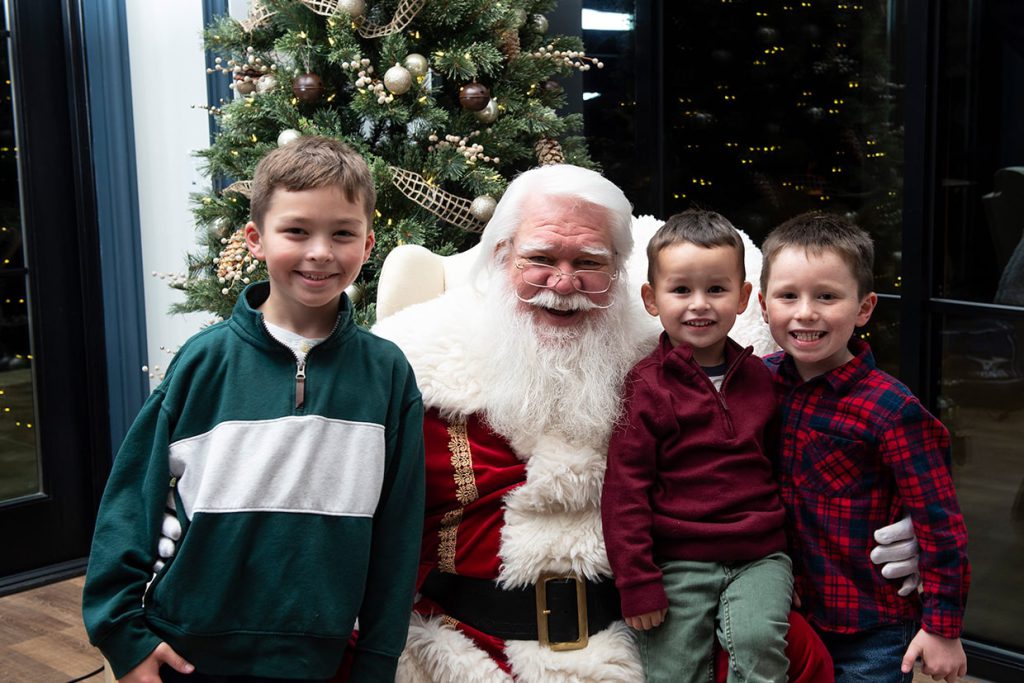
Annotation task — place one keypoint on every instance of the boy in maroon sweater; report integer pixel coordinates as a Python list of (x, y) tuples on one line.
[(693, 522)]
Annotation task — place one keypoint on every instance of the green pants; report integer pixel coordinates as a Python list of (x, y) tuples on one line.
[(745, 605)]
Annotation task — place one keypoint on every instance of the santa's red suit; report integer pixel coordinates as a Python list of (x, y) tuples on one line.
[(507, 510)]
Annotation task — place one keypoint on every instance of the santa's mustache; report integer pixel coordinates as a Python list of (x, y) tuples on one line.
[(577, 301)]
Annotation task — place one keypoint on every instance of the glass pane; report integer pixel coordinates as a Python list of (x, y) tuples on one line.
[(979, 210), (982, 404), (609, 94), (775, 108), (19, 462)]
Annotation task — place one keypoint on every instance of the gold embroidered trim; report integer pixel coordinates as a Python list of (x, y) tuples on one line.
[(465, 492), (462, 462), (448, 534)]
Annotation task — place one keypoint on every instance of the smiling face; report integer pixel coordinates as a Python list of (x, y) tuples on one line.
[(314, 242), (569, 236), (697, 293), (812, 306)]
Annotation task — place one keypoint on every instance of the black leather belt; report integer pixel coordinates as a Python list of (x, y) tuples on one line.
[(559, 611)]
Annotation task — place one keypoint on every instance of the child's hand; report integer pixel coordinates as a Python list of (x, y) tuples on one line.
[(148, 670), (647, 621), (941, 658)]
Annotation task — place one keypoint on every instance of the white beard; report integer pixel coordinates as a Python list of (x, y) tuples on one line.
[(566, 380)]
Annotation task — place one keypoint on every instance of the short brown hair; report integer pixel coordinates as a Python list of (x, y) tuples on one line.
[(308, 163), (695, 226), (817, 232)]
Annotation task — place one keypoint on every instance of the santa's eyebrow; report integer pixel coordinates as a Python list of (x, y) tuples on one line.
[(547, 246)]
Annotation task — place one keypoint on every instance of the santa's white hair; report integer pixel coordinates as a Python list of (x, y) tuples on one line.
[(561, 181)]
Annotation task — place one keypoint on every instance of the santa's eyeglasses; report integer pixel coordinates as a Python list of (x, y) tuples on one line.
[(585, 281)]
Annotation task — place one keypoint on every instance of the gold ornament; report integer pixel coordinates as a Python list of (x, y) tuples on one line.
[(287, 135), (482, 208), (416, 64), (489, 114), (354, 8), (398, 79)]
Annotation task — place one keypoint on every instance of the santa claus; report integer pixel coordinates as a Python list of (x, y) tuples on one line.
[(522, 380)]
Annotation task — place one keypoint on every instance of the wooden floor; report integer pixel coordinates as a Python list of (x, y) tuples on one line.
[(42, 639)]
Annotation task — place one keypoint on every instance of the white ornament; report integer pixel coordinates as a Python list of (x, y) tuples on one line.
[(265, 83), (488, 114), (287, 135), (416, 64), (539, 23), (354, 8), (398, 79), (482, 208)]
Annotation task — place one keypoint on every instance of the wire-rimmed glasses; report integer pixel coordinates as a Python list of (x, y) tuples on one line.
[(584, 281)]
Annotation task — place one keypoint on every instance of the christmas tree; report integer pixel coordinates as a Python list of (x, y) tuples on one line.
[(446, 99)]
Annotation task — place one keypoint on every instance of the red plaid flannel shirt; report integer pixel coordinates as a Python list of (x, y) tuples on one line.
[(858, 450)]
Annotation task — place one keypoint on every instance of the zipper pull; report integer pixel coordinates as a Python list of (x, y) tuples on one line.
[(300, 384)]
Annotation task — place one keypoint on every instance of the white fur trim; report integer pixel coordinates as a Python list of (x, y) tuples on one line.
[(553, 521), (437, 337), (610, 657), (438, 653)]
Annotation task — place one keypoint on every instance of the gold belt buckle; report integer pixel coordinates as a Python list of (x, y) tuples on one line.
[(543, 612)]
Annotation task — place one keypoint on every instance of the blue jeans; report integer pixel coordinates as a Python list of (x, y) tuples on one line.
[(871, 656)]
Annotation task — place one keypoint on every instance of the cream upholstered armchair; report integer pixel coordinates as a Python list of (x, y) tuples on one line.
[(412, 274)]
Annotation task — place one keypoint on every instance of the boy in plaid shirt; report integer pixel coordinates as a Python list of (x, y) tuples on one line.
[(857, 450)]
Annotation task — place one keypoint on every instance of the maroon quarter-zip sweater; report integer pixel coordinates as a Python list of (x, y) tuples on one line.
[(688, 473)]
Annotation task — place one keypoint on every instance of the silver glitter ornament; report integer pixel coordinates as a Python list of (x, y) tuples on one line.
[(482, 208), (397, 80)]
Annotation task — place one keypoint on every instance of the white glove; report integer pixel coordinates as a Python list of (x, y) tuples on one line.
[(171, 529), (898, 554), (170, 533)]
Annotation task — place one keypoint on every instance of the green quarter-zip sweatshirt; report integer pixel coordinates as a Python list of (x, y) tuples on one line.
[(301, 502)]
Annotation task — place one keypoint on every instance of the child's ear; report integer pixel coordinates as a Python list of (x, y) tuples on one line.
[(371, 240), (254, 241), (764, 306), (647, 294), (867, 307), (745, 292)]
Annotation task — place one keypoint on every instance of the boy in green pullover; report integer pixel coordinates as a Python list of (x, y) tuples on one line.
[(293, 445)]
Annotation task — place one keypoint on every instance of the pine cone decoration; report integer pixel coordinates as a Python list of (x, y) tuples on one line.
[(234, 258), (509, 43), (548, 151)]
